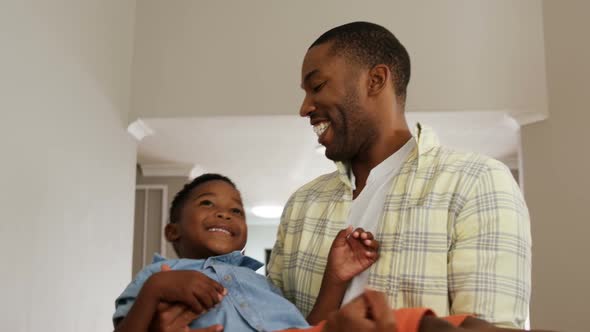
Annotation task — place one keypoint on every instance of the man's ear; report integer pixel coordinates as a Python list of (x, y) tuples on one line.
[(172, 232), (379, 76)]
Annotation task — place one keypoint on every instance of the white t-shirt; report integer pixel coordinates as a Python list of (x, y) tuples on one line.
[(366, 209)]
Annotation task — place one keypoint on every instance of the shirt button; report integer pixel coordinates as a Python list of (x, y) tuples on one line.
[(227, 277), (244, 305)]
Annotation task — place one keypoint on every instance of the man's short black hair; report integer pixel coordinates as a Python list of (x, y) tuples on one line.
[(368, 45), (182, 195)]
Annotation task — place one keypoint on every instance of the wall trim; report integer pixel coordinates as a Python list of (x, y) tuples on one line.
[(148, 169)]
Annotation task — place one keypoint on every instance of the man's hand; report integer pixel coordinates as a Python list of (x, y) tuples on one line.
[(368, 312), (193, 289), (351, 253), (176, 318)]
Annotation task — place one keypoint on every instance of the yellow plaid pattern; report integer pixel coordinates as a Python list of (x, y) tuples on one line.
[(454, 236)]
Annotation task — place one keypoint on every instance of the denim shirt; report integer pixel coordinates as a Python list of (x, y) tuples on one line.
[(251, 304)]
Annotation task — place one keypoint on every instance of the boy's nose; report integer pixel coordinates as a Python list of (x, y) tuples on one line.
[(223, 215)]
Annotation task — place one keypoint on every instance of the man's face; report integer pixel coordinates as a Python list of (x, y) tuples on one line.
[(213, 221), (334, 103)]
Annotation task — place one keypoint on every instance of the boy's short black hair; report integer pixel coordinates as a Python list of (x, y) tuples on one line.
[(368, 45), (182, 195)]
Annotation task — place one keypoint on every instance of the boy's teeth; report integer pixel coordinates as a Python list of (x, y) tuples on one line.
[(320, 128), (219, 230)]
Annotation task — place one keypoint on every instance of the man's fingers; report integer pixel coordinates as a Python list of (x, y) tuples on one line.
[(357, 305), (379, 308), (165, 267), (183, 320), (214, 328), (170, 314), (354, 316)]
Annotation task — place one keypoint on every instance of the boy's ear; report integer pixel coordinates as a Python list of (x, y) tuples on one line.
[(172, 232)]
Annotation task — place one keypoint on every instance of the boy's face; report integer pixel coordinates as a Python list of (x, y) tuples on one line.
[(212, 222)]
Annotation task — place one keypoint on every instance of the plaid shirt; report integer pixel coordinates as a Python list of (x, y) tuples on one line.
[(454, 236)]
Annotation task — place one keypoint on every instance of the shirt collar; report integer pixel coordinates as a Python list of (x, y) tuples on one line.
[(234, 258), (392, 162), (426, 139)]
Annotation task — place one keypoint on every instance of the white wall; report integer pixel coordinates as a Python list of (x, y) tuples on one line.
[(68, 166), (556, 174), (260, 237)]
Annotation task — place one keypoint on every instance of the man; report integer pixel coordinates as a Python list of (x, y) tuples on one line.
[(453, 228)]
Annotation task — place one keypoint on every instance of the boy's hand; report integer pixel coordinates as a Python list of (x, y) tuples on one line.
[(194, 289), (351, 253)]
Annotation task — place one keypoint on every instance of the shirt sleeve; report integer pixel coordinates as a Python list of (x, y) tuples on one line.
[(125, 301), (490, 255)]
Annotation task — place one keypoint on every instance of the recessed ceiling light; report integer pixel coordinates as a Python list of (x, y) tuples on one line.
[(267, 211)]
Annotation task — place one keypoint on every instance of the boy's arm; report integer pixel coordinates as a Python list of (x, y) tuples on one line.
[(329, 299), (141, 313), (351, 253)]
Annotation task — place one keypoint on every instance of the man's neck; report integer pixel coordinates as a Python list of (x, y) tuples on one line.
[(382, 149)]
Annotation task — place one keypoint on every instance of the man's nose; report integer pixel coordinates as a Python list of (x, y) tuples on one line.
[(307, 107)]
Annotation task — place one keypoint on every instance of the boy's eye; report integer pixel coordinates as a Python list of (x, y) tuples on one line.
[(237, 211), (318, 87), (206, 203)]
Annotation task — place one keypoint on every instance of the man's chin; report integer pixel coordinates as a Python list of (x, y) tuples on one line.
[(337, 156)]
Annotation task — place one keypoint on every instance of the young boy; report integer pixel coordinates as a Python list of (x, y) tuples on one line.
[(212, 277)]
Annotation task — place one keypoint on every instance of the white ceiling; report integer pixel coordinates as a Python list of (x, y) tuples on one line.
[(271, 156), (212, 58)]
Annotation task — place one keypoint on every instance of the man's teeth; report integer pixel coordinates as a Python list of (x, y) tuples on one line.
[(320, 128), (219, 230)]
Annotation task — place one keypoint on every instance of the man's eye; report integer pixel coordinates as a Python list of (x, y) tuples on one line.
[(318, 87), (206, 203), (237, 211)]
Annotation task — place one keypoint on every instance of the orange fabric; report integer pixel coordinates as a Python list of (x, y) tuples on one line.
[(406, 320), (456, 320)]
